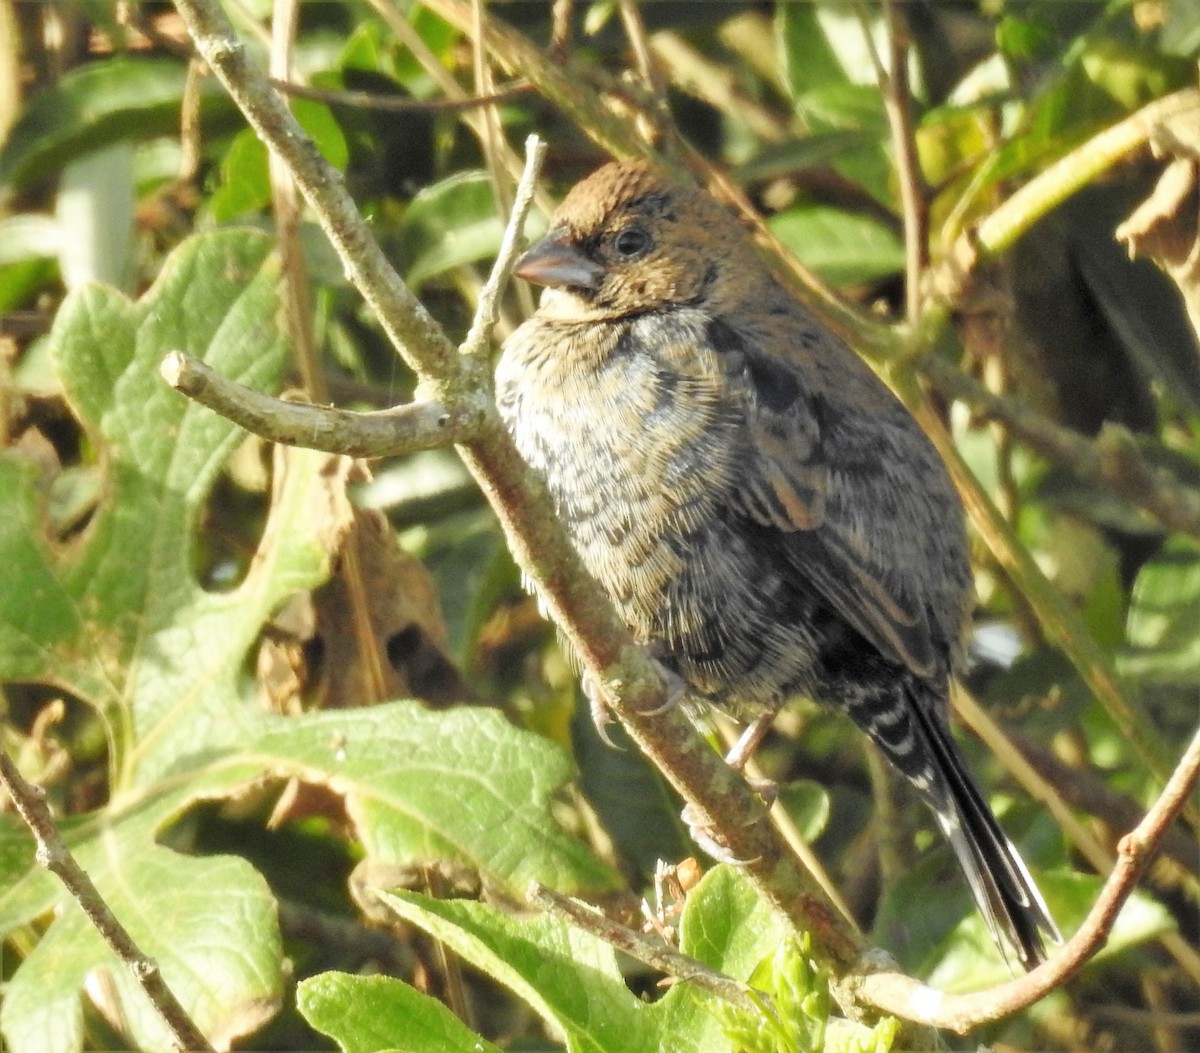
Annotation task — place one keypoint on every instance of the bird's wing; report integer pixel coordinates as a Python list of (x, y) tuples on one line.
[(826, 480)]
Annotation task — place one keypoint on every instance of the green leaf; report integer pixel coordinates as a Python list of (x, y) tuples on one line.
[(806, 56), (842, 247), (450, 224), (99, 104), (797, 154), (727, 926), (245, 181), (969, 961), (571, 979), (121, 623), (807, 804), (567, 976), (1163, 628), (368, 1013), (460, 784), (317, 120), (935, 931)]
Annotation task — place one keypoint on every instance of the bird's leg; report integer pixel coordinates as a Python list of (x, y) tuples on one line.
[(740, 753), (766, 789), (749, 740)]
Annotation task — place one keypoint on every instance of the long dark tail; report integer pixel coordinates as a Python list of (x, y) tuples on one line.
[(914, 736)]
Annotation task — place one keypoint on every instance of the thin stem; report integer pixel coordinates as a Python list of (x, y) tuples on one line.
[(914, 193), (648, 950), (369, 100), (487, 308)]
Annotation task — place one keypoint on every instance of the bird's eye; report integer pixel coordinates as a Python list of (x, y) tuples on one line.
[(631, 242)]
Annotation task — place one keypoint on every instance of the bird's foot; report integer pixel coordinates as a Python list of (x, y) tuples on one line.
[(709, 838), (602, 717)]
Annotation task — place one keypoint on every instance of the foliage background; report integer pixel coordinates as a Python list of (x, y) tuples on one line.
[(210, 657)]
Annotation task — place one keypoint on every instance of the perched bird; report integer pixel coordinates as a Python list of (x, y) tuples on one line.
[(767, 517)]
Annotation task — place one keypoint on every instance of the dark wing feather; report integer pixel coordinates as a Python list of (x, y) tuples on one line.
[(799, 481)]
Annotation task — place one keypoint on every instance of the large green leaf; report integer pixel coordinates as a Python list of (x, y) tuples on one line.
[(98, 104), (842, 247), (208, 922), (369, 1013), (119, 620), (460, 784)]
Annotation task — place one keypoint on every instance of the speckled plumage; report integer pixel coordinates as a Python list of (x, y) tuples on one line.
[(762, 510)]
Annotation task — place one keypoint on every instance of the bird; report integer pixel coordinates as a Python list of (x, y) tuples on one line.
[(767, 517)]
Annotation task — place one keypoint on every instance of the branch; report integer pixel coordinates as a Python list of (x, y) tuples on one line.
[(53, 854), (384, 433), (647, 950), (369, 100), (906, 998)]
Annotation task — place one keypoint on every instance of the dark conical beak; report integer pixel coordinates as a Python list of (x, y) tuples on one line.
[(556, 261)]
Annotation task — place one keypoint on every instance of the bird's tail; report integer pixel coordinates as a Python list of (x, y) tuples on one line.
[(917, 742)]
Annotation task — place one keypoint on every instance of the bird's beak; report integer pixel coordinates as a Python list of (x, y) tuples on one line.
[(556, 261)]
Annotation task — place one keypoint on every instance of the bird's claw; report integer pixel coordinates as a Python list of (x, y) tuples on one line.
[(602, 717), (709, 839)]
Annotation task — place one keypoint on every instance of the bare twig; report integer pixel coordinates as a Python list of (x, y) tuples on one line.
[(53, 854), (648, 950), (911, 1000), (914, 194), (369, 100), (405, 429), (487, 309)]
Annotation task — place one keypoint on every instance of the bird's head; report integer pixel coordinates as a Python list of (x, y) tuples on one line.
[(629, 239)]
